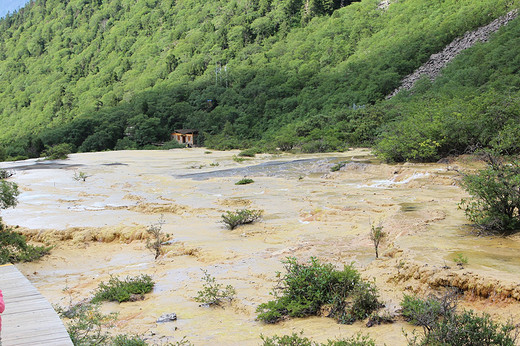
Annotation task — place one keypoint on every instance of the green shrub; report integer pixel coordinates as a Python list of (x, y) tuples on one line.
[(125, 340), (355, 304), (87, 325), (17, 158), (5, 174), (421, 312), (125, 144), (299, 340), (468, 328), (212, 292), (238, 159), (122, 290), (172, 145), (364, 300), (244, 181), (337, 166), (14, 248), (319, 146), (58, 152), (287, 340), (305, 288), (240, 217), (428, 312), (80, 176), (251, 152), (8, 194), (494, 205)]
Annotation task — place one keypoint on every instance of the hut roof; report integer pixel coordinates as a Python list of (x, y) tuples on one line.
[(187, 131)]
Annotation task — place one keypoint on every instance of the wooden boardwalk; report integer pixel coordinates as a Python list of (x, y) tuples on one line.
[(29, 318)]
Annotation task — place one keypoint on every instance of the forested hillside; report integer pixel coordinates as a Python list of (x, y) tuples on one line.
[(311, 74)]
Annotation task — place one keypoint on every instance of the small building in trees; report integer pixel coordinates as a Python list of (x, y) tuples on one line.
[(185, 136)]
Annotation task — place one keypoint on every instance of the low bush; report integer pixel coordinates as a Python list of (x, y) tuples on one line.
[(421, 312), (305, 288), (244, 181), (251, 152), (122, 290), (427, 312), (287, 340), (338, 166), (355, 304), (8, 194), (126, 340), (212, 292), (14, 247), (468, 328), (240, 217), (299, 340), (494, 205), (364, 301), (4, 174), (125, 144), (172, 145), (87, 324), (80, 176), (17, 158), (238, 159)]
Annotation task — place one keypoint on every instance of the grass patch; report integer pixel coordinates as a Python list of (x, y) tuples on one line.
[(244, 181), (233, 219), (123, 290)]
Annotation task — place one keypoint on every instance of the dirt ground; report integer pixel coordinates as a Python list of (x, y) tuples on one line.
[(98, 229)]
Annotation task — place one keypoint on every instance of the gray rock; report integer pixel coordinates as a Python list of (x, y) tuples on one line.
[(434, 65), (167, 318)]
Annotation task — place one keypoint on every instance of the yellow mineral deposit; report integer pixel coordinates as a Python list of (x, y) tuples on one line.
[(98, 229)]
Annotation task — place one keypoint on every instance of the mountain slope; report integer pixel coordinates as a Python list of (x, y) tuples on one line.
[(86, 72)]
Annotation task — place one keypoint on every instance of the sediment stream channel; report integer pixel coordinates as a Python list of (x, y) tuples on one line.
[(98, 229)]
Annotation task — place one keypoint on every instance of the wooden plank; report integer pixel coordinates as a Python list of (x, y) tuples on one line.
[(29, 318)]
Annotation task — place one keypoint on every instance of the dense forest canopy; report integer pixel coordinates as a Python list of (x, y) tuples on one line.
[(312, 74)]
